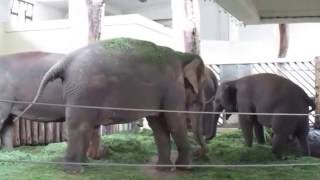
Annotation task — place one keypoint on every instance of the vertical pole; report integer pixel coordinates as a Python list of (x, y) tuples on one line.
[(317, 89)]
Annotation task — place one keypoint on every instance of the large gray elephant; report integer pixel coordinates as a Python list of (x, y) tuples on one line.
[(127, 73), (267, 93), (21, 76)]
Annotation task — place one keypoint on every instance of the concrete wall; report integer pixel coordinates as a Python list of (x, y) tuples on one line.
[(44, 11), (54, 36), (1, 38), (214, 22), (260, 43), (136, 26), (4, 10), (59, 35), (160, 13)]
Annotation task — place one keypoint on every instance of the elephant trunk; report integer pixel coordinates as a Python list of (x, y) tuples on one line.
[(214, 122)]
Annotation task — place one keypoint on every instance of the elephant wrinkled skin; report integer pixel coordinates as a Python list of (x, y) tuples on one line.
[(21, 76), (203, 126), (127, 73), (267, 93)]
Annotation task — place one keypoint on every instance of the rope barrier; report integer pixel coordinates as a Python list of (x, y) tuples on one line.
[(157, 165), (162, 165), (155, 110)]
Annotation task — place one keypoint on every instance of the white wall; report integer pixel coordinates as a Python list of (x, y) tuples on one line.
[(160, 12), (53, 36), (43, 11), (214, 22), (136, 26), (60, 36), (304, 39), (1, 38), (4, 10), (260, 43)]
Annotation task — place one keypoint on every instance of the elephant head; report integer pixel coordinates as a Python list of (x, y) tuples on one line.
[(201, 124), (225, 99)]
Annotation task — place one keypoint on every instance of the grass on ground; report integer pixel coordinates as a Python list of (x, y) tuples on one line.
[(139, 147)]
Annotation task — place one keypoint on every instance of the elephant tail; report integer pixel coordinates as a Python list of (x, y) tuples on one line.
[(56, 71)]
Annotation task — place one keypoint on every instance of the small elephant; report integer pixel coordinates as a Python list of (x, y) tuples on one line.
[(127, 73), (21, 75), (267, 93)]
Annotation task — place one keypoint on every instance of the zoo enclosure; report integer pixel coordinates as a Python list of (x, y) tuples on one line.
[(302, 73)]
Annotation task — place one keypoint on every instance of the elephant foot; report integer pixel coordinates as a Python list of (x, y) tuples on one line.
[(278, 156), (200, 153), (73, 169), (165, 168), (183, 164), (98, 153)]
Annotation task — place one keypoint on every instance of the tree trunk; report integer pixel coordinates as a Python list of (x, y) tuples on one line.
[(191, 30), (284, 40), (94, 16), (94, 33), (317, 89)]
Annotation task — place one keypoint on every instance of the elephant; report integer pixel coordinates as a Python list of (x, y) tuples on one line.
[(203, 124), (267, 93), (21, 75), (127, 73)]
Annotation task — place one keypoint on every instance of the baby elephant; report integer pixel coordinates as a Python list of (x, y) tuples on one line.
[(267, 93)]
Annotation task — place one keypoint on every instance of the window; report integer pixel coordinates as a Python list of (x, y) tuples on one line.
[(22, 10)]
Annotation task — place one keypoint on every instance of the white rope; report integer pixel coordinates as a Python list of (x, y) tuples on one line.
[(162, 165), (155, 110)]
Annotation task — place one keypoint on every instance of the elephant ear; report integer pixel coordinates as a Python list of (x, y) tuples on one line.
[(194, 74)]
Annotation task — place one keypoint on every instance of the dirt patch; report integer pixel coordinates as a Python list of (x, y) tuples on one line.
[(154, 174)]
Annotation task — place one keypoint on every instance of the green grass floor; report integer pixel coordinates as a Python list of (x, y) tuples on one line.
[(226, 148)]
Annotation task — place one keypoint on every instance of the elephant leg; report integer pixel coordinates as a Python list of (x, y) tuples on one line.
[(7, 133), (246, 125), (79, 132), (278, 142), (259, 133), (303, 139), (178, 128), (197, 128), (162, 139), (96, 150)]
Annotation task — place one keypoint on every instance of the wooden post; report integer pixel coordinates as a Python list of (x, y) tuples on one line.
[(16, 133), (57, 133), (35, 134), (317, 89), (284, 40), (64, 132), (49, 132), (23, 133), (42, 133), (28, 132)]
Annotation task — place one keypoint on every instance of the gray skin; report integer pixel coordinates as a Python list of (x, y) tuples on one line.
[(21, 76), (127, 73), (267, 93), (203, 124)]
